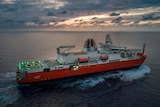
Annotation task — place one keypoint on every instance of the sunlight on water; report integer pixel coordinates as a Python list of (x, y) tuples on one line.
[(124, 75)]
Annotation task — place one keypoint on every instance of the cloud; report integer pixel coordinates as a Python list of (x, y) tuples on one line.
[(50, 14), (11, 9), (9, 21), (73, 13), (94, 18), (7, 1), (63, 12), (117, 20), (37, 21), (151, 16), (114, 14)]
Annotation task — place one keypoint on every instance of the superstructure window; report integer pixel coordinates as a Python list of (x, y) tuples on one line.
[(46, 69)]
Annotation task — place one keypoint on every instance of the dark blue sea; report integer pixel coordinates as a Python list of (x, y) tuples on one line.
[(135, 87)]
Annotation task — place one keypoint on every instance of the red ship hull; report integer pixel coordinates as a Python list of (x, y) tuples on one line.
[(82, 70)]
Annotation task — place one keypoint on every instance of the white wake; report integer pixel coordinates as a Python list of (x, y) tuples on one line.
[(124, 75)]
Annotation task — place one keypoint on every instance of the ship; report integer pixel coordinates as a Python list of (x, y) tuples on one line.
[(93, 58)]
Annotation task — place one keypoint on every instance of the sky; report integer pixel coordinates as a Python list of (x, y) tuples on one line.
[(80, 15)]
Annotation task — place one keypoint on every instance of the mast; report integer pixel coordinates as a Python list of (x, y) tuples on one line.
[(143, 47), (108, 40)]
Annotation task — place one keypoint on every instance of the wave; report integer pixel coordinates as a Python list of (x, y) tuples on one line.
[(8, 88), (123, 75), (8, 95), (7, 81), (135, 73), (9, 75)]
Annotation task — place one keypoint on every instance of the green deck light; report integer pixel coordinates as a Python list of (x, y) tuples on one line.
[(19, 66), (30, 65)]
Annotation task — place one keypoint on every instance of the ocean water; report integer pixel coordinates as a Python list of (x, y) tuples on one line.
[(136, 87)]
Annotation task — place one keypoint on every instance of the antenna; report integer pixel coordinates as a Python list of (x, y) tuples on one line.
[(108, 40), (143, 47)]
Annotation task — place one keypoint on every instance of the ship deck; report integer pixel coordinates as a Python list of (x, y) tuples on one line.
[(30, 65)]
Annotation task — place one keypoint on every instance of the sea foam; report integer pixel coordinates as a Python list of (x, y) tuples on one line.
[(123, 75)]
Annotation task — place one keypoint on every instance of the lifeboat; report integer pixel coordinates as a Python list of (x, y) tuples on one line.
[(83, 60), (104, 57)]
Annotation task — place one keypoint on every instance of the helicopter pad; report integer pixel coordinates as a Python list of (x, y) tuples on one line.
[(29, 65)]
